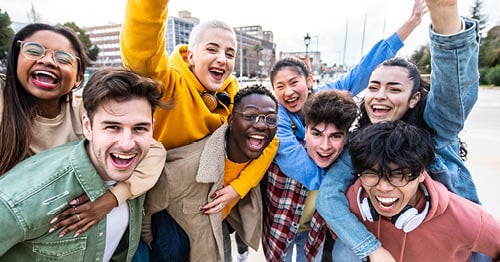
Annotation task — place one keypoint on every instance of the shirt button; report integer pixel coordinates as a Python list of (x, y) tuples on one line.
[(100, 234)]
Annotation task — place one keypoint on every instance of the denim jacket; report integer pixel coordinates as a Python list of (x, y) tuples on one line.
[(454, 90), (35, 190), (292, 158)]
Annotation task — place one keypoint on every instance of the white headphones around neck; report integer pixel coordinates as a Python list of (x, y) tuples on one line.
[(407, 220)]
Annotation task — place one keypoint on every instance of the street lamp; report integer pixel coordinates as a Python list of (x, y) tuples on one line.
[(307, 41)]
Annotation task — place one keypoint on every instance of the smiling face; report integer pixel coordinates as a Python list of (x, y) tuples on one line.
[(212, 60), (388, 96), (44, 78), (389, 200), (119, 137), (291, 88), (324, 143), (247, 139)]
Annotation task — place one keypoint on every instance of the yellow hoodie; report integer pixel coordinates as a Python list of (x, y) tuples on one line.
[(143, 44)]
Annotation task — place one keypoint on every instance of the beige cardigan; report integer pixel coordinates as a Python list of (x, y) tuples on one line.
[(191, 175)]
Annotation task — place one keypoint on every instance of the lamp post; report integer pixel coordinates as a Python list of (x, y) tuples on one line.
[(307, 41)]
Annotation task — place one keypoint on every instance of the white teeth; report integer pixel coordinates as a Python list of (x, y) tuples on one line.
[(218, 71), (257, 137), (291, 100), (324, 155), (387, 200), (380, 107), (46, 73), (124, 157)]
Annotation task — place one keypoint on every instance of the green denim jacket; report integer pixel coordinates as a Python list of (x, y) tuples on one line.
[(35, 190)]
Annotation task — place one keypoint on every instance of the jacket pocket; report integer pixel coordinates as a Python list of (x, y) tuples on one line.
[(70, 250)]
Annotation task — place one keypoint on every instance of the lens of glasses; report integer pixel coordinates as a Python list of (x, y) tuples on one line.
[(397, 178), (34, 51), (270, 120)]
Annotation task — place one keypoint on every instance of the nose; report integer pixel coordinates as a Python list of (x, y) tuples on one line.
[(48, 56), (260, 122), (325, 143), (384, 185), (221, 57), (126, 141), (380, 93)]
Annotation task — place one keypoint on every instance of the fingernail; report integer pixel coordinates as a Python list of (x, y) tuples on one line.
[(76, 234), (61, 234), (51, 229), (73, 202), (213, 195), (53, 220)]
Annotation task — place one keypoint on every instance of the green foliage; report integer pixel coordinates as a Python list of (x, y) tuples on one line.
[(92, 50), (6, 34), (489, 53), (482, 75), (493, 76), (476, 13), (422, 58)]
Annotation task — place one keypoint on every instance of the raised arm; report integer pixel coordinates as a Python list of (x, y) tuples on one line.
[(142, 39), (357, 78)]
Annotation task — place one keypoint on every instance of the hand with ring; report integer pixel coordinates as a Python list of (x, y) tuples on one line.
[(221, 198)]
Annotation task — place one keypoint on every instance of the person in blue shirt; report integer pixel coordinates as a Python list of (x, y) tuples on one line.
[(397, 92), (291, 81)]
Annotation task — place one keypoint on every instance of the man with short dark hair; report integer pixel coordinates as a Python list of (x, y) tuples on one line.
[(118, 128), (414, 217)]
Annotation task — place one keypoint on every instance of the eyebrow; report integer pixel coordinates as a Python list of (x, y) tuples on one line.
[(389, 83), (108, 122)]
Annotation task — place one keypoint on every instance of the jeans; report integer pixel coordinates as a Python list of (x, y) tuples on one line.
[(170, 242), (299, 244), (342, 253)]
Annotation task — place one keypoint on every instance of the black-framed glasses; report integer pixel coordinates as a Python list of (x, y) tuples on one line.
[(271, 120), (398, 177), (35, 51)]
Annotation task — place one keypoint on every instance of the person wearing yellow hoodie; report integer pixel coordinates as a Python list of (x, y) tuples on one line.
[(197, 78)]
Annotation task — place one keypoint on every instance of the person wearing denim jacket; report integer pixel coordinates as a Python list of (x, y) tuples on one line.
[(292, 158), (454, 91), (36, 189)]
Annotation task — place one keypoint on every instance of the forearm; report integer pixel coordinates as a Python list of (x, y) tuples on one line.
[(356, 80), (142, 40), (333, 206), (444, 17)]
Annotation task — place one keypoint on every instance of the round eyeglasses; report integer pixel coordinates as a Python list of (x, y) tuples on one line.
[(271, 120), (35, 51), (397, 177)]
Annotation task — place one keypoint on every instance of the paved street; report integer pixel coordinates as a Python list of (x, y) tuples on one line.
[(482, 135)]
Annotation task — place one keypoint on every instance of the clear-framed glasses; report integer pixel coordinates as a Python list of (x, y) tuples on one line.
[(271, 120), (398, 177), (35, 51)]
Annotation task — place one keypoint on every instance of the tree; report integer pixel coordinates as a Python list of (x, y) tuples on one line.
[(489, 53), (422, 58), (475, 12), (6, 36), (92, 50)]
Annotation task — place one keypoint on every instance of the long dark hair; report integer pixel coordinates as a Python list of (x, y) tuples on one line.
[(414, 116), (20, 107)]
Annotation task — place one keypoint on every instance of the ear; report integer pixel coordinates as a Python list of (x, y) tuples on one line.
[(414, 100), (309, 81), (190, 58), (79, 79), (230, 120), (421, 178), (87, 127)]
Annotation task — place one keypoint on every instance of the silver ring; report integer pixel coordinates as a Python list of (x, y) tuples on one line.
[(74, 210), (220, 205), (78, 216)]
